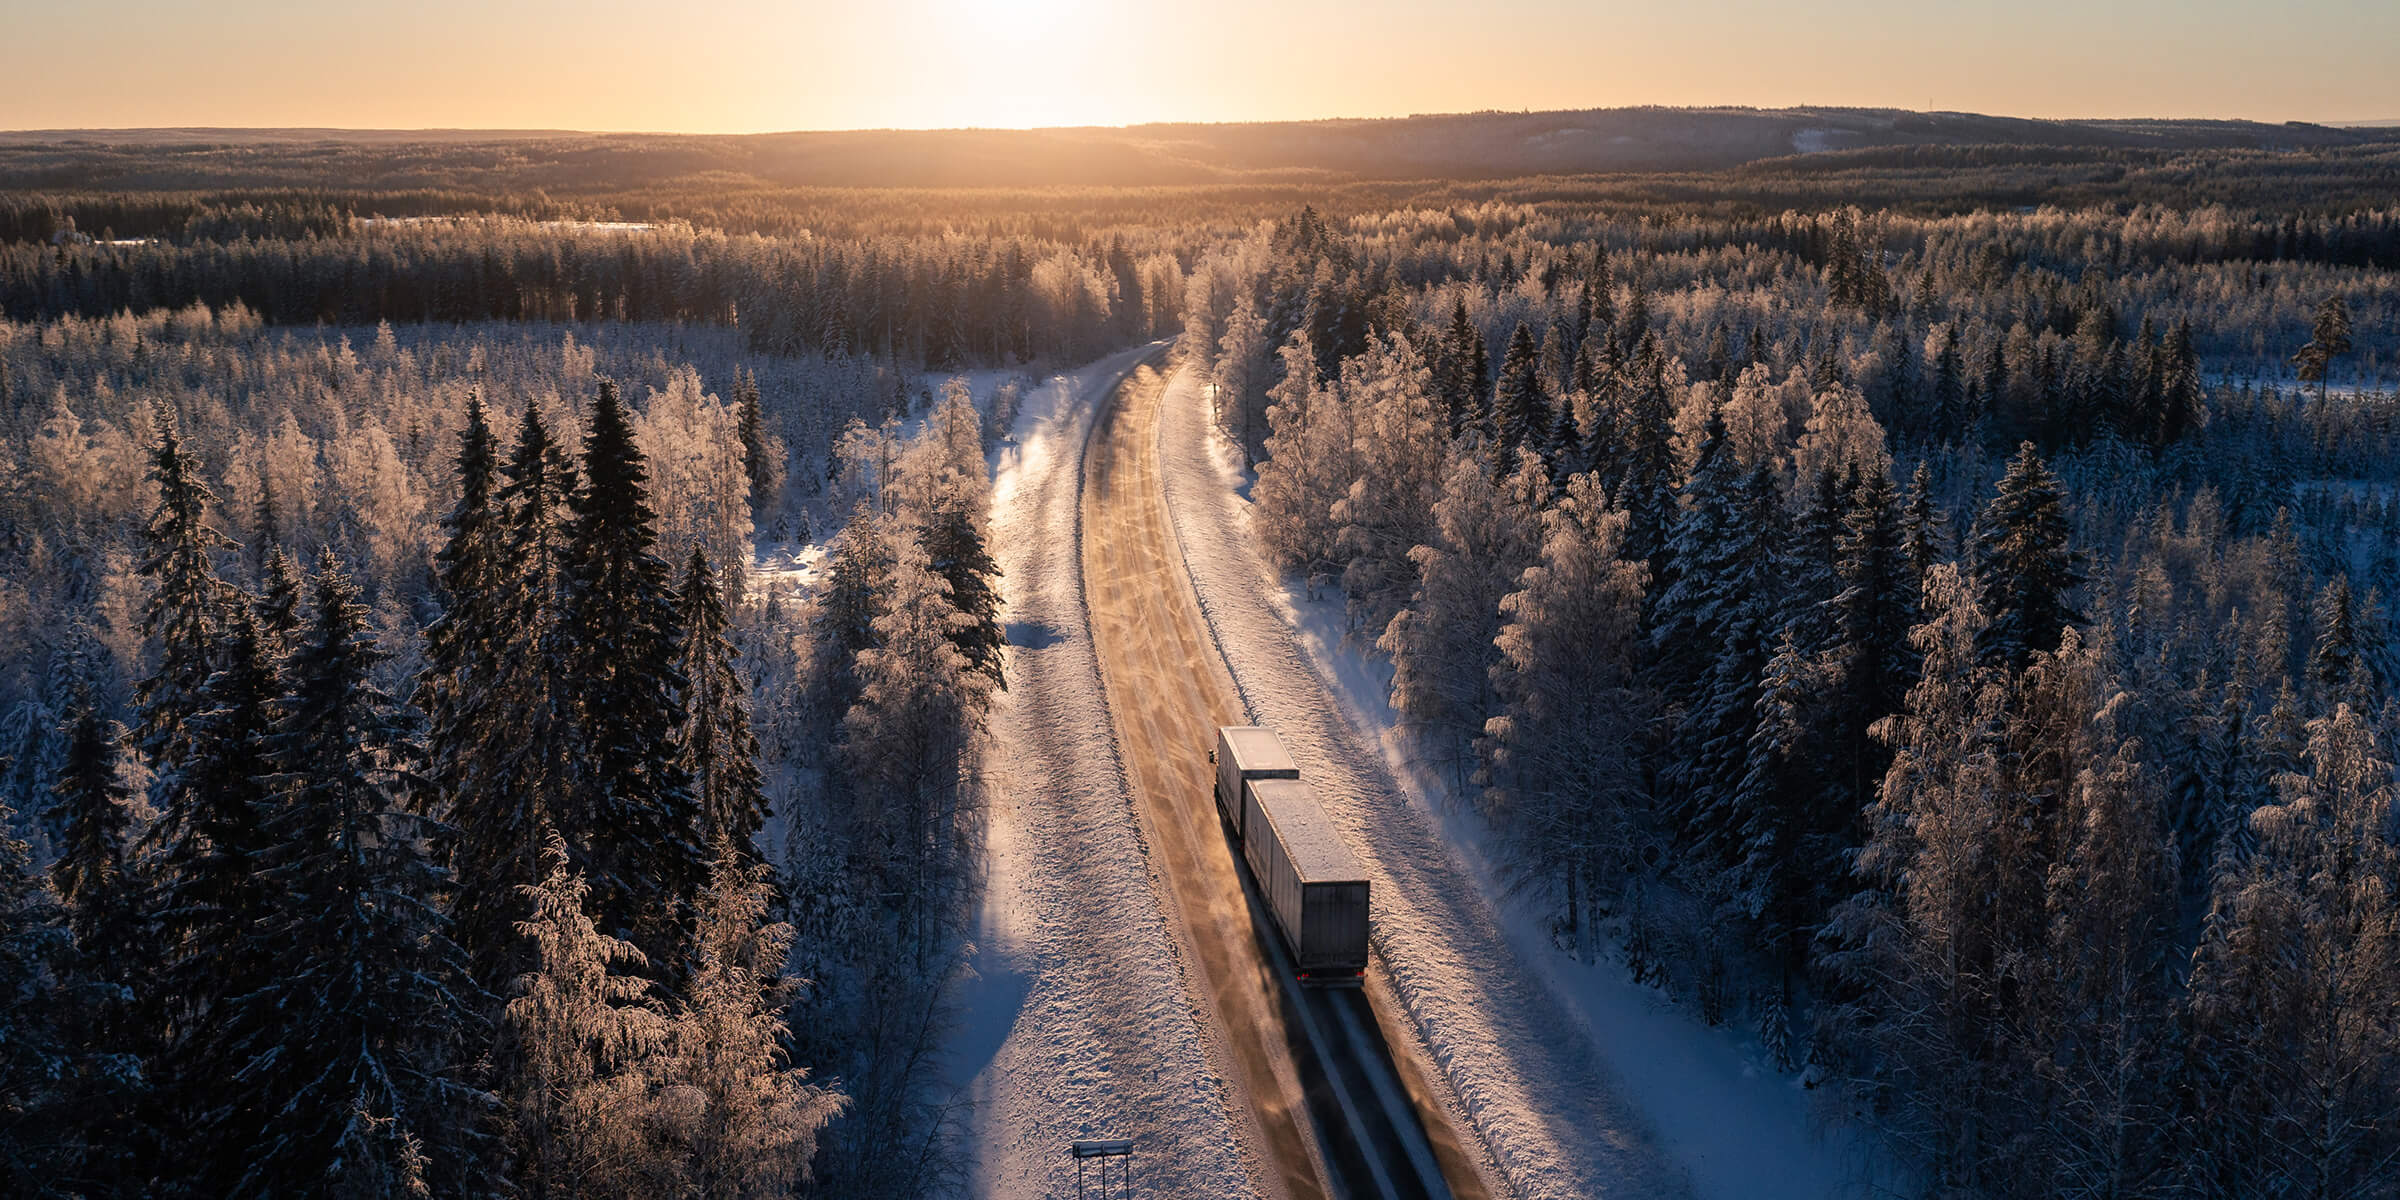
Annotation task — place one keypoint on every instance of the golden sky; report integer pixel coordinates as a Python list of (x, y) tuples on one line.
[(734, 66)]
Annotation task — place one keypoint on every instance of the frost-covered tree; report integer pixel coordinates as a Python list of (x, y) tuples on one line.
[(905, 741), (1310, 464), (1486, 532), (1240, 377), (744, 1117), (2293, 985), (1565, 743), (580, 1114), (1520, 409), (1398, 429)]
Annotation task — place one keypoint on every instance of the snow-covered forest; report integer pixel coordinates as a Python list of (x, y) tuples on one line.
[(1956, 648), (493, 687)]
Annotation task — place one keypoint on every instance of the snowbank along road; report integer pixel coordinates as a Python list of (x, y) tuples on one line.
[(1525, 1069), (1333, 1095), (1077, 1023)]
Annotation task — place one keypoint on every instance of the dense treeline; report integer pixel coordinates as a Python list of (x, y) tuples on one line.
[(411, 784), (1954, 647), (940, 301)]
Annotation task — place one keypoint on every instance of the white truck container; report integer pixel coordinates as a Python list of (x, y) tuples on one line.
[(1313, 883), (1246, 752)]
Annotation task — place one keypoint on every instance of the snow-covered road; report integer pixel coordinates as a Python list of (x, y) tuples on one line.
[(1078, 1026), (1558, 1121)]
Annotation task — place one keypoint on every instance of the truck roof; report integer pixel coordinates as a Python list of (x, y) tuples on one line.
[(1256, 748), (1318, 853)]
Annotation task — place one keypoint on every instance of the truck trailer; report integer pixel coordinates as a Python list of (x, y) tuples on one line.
[(1246, 752), (1314, 886)]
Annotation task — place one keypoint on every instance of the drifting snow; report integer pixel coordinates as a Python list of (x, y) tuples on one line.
[(1579, 1082), (1076, 1024)]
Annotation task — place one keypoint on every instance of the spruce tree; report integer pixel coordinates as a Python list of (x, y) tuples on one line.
[(757, 464), (580, 1108), (355, 1043), (2024, 567), (505, 760), (1648, 469), (40, 1133), (1566, 771), (1921, 521), (1719, 635), (213, 905), (91, 803), (187, 600), (632, 812), (756, 1129), (719, 749), (1519, 407), (1469, 366), (1872, 615), (278, 602)]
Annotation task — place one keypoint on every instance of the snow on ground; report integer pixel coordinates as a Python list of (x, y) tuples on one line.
[(1580, 1082), (1075, 1025)]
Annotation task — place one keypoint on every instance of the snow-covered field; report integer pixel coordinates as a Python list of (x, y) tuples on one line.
[(1581, 1083), (1076, 1025)]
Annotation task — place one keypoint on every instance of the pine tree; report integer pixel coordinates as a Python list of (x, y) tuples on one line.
[(2329, 339), (632, 812), (355, 1041), (2025, 569), (719, 749)]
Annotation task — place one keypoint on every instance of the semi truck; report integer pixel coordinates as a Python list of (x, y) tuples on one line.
[(1314, 887)]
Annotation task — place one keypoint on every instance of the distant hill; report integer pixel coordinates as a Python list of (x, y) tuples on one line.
[(1456, 146)]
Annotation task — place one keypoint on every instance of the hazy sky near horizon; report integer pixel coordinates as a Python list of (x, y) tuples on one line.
[(738, 66)]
